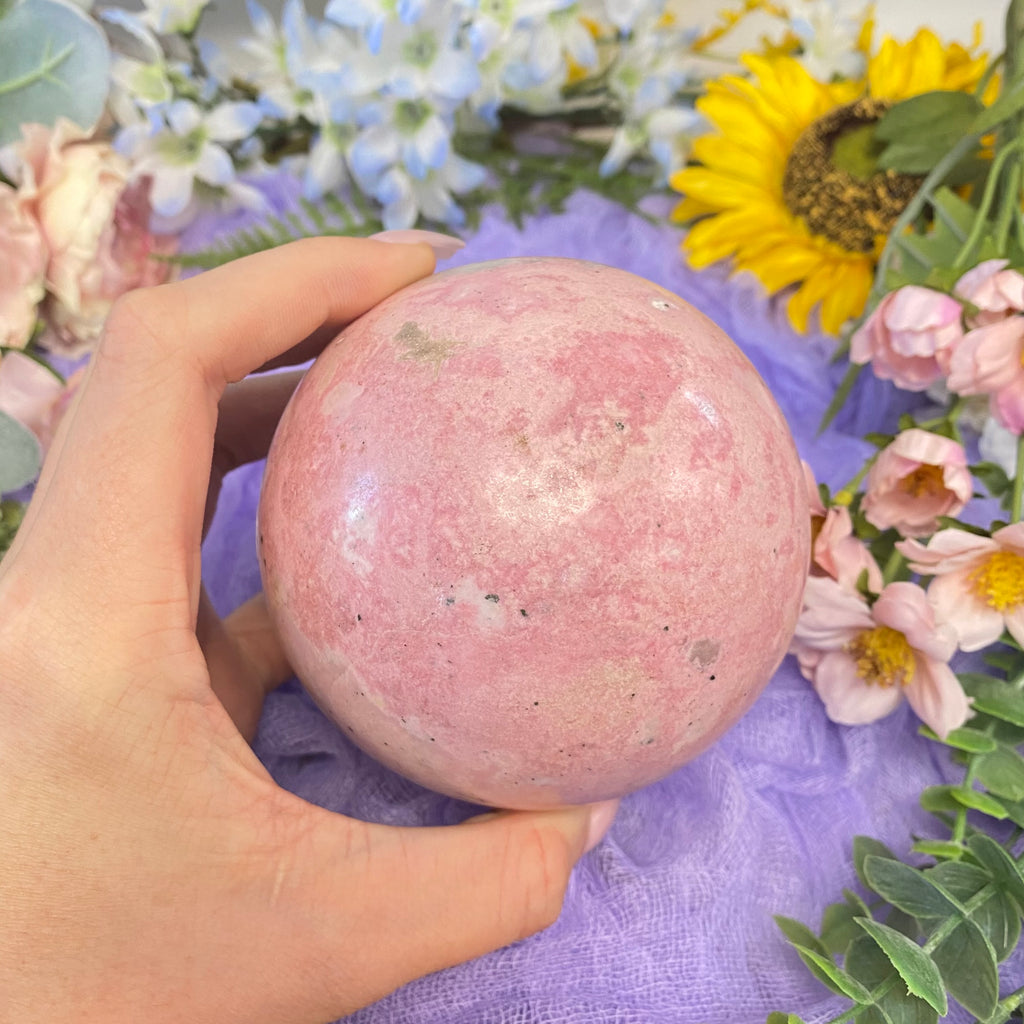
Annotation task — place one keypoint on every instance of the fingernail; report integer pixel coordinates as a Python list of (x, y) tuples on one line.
[(444, 246), (601, 817)]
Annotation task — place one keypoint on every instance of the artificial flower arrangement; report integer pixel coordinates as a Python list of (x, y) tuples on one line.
[(876, 186)]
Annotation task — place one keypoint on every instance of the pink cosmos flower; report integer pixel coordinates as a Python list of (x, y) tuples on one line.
[(994, 290), (34, 396), (95, 227), (988, 361), (22, 270), (835, 551), (863, 661), (915, 479), (908, 336), (979, 582)]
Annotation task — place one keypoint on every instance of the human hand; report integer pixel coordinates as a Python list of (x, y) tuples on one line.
[(150, 868)]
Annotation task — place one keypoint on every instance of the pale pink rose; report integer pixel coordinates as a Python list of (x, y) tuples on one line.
[(863, 661), (988, 361), (96, 229), (33, 395), (996, 291), (978, 584), (908, 336), (22, 270), (915, 479), (835, 551)]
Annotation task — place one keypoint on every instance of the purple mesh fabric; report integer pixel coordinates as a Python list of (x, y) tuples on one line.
[(669, 919)]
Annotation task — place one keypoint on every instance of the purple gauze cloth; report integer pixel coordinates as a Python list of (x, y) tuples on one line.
[(669, 919)]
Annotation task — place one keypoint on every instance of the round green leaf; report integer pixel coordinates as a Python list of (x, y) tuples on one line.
[(54, 62), (20, 455)]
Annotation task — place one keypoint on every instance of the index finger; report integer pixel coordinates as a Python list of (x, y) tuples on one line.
[(132, 460)]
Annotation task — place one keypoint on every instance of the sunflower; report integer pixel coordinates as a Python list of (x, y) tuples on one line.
[(783, 188)]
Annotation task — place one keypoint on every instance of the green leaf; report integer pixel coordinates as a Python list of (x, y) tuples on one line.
[(915, 966), (993, 476), (782, 1018), (907, 888), (975, 800), (994, 697), (872, 968), (939, 849), (799, 934), (971, 740), (923, 115), (856, 903), (864, 847), (839, 927), (967, 963), (833, 976), (1005, 871), (1002, 773), (20, 454), (1010, 102), (997, 916), (54, 62), (939, 799)]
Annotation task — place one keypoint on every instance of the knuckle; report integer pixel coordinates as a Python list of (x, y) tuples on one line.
[(542, 861)]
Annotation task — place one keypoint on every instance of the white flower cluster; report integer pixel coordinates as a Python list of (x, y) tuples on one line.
[(380, 91)]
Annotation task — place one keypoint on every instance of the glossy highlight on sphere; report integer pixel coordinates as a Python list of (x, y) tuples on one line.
[(533, 532)]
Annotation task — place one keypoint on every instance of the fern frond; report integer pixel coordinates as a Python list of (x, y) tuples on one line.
[(333, 216)]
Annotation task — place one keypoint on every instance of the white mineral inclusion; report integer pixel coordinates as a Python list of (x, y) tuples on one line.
[(360, 524)]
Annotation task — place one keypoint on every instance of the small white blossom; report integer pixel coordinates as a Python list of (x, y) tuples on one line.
[(184, 144), (405, 198), (428, 60), (828, 38), (412, 134), (369, 17), (169, 16), (553, 40)]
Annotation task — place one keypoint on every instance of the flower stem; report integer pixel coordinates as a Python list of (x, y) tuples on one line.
[(1018, 483)]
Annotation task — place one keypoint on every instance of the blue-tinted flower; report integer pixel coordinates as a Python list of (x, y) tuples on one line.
[(369, 17), (184, 144), (408, 133), (405, 198)]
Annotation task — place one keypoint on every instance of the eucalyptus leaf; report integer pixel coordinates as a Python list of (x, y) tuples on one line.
[(994, 697), (54, 62), (908, 889), (967, 963), (20, 454), (914, 965), (1002, 773)]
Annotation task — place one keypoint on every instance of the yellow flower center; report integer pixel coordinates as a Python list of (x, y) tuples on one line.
[(831, 180), (926, 481), (883, 656), (999, 580)]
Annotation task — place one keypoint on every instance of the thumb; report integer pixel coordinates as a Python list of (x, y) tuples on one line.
[(436, 897)]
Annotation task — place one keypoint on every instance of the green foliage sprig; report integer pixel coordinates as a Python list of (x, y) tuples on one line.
[(925, 934)]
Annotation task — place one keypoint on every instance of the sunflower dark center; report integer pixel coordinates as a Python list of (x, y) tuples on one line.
[(831, 180)]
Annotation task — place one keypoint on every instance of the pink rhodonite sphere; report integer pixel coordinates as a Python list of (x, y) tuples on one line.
[(534, 532)]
